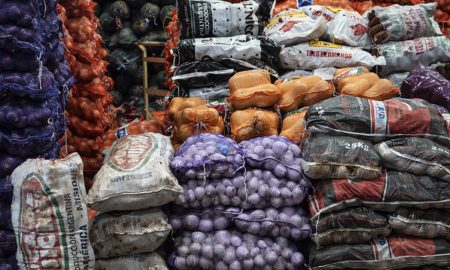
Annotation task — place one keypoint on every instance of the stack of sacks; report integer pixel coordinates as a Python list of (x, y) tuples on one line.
[(89, 109), (192, 116), (128, 191), (376, 166), (407, 36), (209, 53), (123, 25), (233, 218), (34, 81)]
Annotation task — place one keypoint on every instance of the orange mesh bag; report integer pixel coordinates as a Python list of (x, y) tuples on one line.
[(81, 29), (263, 95), (178, 104), (247, 79), (345, 4), (193, 121), (85, 146), (358, 82), (294, 126), (361, 6), (92, 164), (85, 128), (134, 128), (285, 4), (252, 123), (303, 91), (86, 109)]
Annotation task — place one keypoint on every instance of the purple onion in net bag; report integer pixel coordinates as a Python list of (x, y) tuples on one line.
[(8, 163), (274, 153), (223, 250), (6, 190), (427, 84), (9, 263), (251, 189), (207, 156), (5, 216), (7, 243)]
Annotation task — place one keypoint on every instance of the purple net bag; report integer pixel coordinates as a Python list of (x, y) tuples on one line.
[(7, 244), (274, 153), (6, 190), (207, 156), (427, 84), (9, 263), (251, 189), (8, 163), (5, 216)]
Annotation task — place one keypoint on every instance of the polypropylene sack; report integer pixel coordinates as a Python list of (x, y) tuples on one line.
[(274, 153), (326, 157), (393, 252), (359, 82), (178, 104), (288, 222), (214, 18), (8, 244), (294, 126), (251, 189), (260, 96), (220, 91), (406, 55), (252, 123), (350, 226), (135, 175), (207, 156), (150, 261), (386, 193), (238, 47), (416, 155), (377, 120), (396, 22), (128, 233), (318, 54), (50, 216), (292, 26), (298, 92), (233, 250), (430, 223), (248, 79), (427, 84)]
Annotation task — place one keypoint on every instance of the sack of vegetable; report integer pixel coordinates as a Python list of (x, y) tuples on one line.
[(262, 95), (252, 123), (394, 118), (251, 189), (207, 156), (233, 250), (387, 192), (200, 18), (138, 164), (430, 223), (396, 22), (319, 54), (416, 155), (350, 226), (178, 104), (8, 244), (406, 55), (294, 126), (359, 82), (133, 262), (299, 91), (276, 154)]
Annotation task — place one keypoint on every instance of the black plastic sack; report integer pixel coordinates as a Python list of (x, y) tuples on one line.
[(238, 47), (430, 223), (377, 121), (326, 157), (215, 18), (356, 225)]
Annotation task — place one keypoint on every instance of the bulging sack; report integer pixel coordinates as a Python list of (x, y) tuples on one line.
[(252, 123), (50, 216), (292, 26), (377, 121), (150, 261), (294, 126), (263, 95), (326, 157), (135, 175), (215, 18), (129, 233), (350, 226), (178, 104), (416, 155), (319, 54)]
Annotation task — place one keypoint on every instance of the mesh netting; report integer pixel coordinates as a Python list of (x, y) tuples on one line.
[(7, 243)]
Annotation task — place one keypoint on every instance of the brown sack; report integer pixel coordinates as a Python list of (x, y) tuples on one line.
[(294, 126), (178, 104), (247, 79), (252, 123), (263, 95), (304, 91), (193, 121)]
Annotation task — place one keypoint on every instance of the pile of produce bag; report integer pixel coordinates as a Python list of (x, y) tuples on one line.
[(34, 82), (89, 110)]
